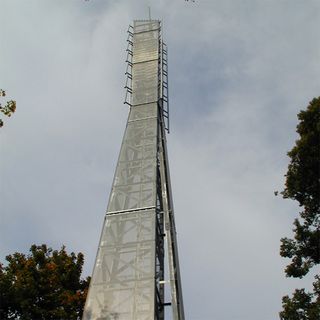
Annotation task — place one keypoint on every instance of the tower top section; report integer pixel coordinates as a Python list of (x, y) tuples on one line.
[(147, 69)]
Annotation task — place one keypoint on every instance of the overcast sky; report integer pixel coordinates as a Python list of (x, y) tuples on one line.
[(239, 73)]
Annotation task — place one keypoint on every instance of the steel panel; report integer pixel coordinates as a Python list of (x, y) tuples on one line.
[(142, 112), (145, 69), (122, 285), (147, 25), (145, 82), (145, 46), (134, 184)]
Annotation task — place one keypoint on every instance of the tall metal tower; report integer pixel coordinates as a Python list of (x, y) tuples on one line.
[(132, 267)]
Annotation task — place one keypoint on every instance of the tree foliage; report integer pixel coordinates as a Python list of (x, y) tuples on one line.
[(302, 305), (44, 284), (303, 185), (8, 109)]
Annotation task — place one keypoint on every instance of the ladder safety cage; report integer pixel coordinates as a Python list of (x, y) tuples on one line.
[(164, 86), (128, 73)]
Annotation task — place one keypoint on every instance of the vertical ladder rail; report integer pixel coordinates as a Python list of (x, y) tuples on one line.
[(170, 230), (165, 85)]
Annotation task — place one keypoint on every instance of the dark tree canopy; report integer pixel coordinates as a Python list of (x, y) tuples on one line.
[(303, 185), (44, 284)]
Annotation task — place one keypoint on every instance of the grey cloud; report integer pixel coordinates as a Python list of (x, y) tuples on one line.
[(239, 73)]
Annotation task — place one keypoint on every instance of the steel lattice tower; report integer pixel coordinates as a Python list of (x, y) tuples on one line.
[(129, 273)]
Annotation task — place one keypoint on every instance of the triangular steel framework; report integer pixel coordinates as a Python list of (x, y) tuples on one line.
[(129, 273)]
